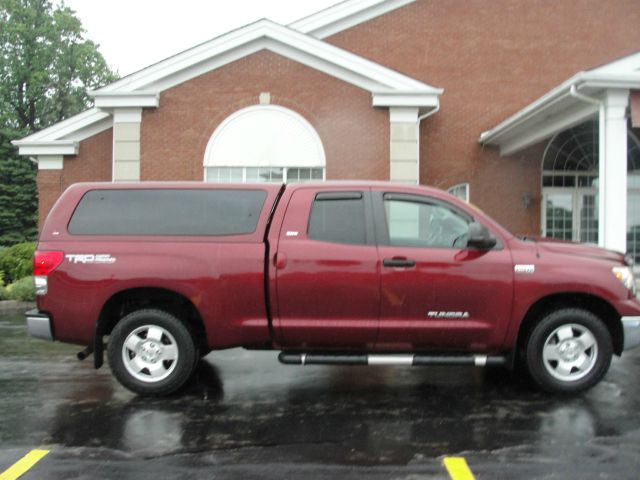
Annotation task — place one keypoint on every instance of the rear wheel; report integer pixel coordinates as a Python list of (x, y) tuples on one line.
[(569, 351), (151, 352)]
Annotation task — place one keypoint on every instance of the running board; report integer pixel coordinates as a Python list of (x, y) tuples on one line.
[(409, 360)]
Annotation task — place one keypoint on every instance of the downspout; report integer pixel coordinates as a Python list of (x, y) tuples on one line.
[(601, 158), (429, 113), (420, 118)]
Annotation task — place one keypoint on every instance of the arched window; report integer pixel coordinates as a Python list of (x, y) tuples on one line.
[(571, 157), (264, 143), (461, 190), (570, 186)]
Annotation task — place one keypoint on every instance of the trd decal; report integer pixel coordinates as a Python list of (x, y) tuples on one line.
[(90, 258)]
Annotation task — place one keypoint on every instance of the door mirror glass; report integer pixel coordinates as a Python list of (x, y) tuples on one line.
[(480, 237)]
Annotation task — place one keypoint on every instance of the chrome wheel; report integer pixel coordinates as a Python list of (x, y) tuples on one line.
[(150, 353), (570, 352)]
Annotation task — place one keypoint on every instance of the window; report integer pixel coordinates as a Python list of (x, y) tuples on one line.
[(570, 186), (338, 217), (425, 224), (301, 175), (461, 191), (225, 175), (263, 174), (559, 215), (167, 212), (264, 143)]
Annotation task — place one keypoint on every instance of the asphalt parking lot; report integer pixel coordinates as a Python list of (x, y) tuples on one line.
[(246, 416)]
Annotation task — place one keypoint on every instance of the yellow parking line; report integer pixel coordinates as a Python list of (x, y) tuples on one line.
[(23, 465), (457, 468)]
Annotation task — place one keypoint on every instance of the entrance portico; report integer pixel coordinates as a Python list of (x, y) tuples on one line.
[(601, 96)]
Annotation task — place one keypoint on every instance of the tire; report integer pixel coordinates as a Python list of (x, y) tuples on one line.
[(568, 351), (152, 353)]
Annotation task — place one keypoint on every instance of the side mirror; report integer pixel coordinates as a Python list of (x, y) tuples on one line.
[(480, 237)]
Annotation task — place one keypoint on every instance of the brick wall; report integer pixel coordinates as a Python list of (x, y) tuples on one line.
[(355, 135), (492, 58)]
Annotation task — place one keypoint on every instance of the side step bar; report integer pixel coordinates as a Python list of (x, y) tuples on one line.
[(409, 360)]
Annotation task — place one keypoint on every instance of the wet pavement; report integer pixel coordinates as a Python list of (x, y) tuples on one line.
[(247, 416)]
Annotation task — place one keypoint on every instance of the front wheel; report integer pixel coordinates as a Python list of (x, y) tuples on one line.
[(151, 352), (569, 351)]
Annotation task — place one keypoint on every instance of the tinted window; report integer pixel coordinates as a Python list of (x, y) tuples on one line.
[(420, 224), (338, 217), (167, 212)]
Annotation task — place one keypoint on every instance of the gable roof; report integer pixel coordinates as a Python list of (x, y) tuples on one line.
[(561, 108), (267, 35), (62, 138), (345, 15), (141, 89)]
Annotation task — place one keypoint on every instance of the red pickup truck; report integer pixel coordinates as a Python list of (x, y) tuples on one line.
[(338, 273)]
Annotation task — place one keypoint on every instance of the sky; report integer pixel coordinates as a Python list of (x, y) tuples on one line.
[(133, 34)]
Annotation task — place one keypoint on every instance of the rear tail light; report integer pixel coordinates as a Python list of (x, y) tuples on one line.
[(43, 264)]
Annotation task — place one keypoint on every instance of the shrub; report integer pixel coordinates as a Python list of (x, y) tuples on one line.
[(16, 262), (4, 295), (22, 290)]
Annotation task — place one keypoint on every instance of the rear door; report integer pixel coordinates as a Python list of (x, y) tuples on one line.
[(326, 271), (437, 294)]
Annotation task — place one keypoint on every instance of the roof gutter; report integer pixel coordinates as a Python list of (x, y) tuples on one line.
[(582, 79), (54, 147), (533, 109)]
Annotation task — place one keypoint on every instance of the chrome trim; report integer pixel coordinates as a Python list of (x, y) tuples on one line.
[(631, 327), (39, 326), (480, 360), (390, 360)]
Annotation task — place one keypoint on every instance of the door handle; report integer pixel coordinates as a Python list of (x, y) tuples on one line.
[(398, 262)]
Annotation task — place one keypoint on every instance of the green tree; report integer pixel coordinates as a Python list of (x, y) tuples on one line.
[(46, 68), (18, 196)]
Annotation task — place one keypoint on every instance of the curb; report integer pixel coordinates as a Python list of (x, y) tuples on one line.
[(15, 305)]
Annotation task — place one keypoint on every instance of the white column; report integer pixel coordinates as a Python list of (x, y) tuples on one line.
[(126, 144), (403, 145), (612, 228)]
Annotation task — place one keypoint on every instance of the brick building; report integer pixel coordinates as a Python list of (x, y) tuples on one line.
[(527, 108)]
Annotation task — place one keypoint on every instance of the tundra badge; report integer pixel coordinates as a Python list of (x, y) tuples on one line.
[(448, 314)]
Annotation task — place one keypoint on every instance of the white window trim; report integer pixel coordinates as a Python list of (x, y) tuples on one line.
[(284, 172), (460, 185)]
